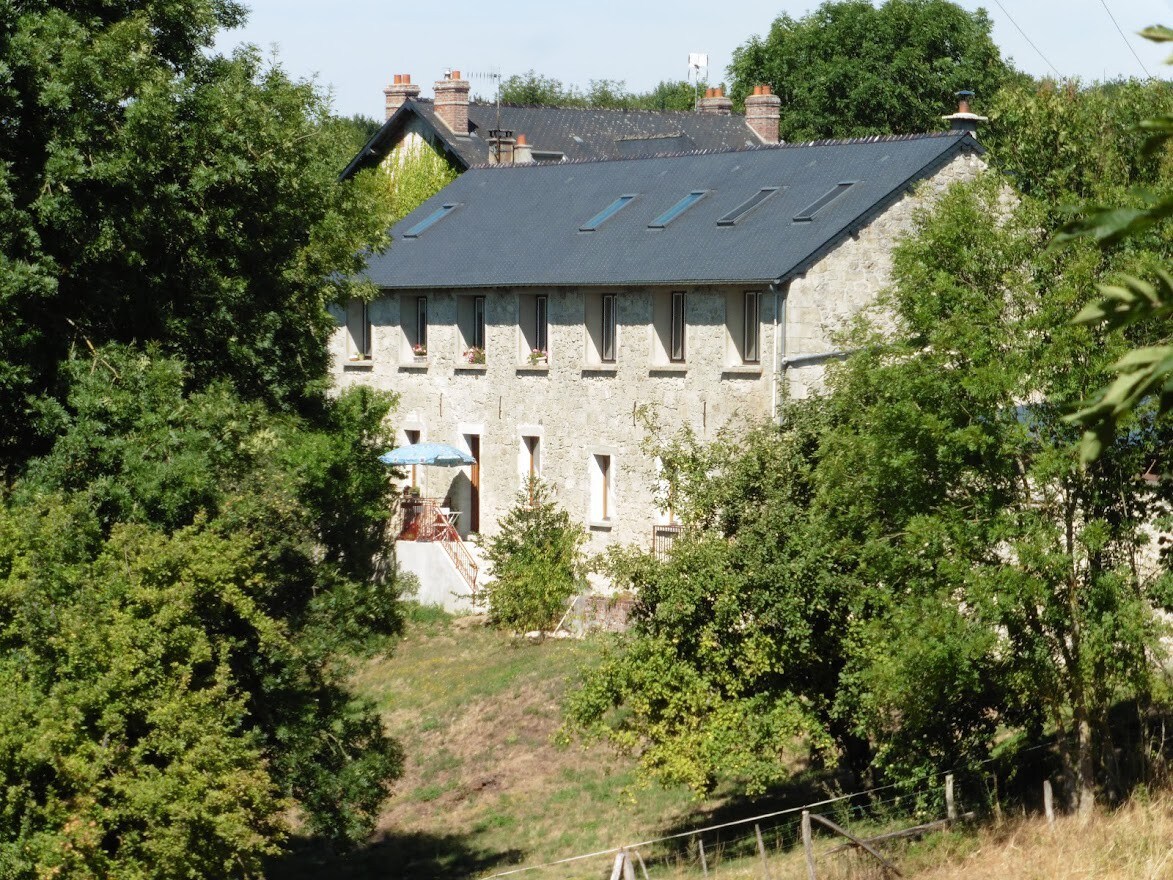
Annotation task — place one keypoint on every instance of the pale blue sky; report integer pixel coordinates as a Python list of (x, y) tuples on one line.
[(355, 47)]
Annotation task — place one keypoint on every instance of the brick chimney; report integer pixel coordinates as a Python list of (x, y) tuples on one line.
[(523, 153), (762, 110), (452, 102), (715, 102), (964, 119), (399, 91)]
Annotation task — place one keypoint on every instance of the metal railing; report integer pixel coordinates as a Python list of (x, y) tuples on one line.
[(662, 539), (424, 519)]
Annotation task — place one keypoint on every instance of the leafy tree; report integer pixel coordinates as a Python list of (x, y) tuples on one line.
[(536, 562), (154, 191), (413, 174), (917, 558), (181, 574), (534, 89), (851, 69)]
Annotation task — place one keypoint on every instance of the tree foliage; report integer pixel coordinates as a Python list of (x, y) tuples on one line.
[(916, 561), (154, 191), (536, 560), (851, 69), (178, 574), (536, 90)]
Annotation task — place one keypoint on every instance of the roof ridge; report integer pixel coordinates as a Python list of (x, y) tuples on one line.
[(751, 148), (514, 106)]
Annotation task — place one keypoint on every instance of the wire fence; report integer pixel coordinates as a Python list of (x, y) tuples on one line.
[(769, 845)]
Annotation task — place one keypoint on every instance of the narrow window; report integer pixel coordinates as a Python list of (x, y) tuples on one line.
[(478, 322), (745, 207), (822, 201), (413, 437), (679, 208), (540, 311), (606, 214), (601, 501), (421, 325), (607, 336), (533, 456), (430, 220), (358, 326), (751, 316), (676, 347)]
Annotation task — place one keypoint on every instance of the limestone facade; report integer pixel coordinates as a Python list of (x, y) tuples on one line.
[(574, 419)]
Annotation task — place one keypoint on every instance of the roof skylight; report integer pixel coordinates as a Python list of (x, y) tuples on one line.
[(748, 205), (679, 208), (431, 220), (822, 201), (606, 214)]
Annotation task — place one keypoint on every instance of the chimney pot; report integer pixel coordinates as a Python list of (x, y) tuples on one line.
[(964, 119), (523, 153), (398, 92), (715, 103)]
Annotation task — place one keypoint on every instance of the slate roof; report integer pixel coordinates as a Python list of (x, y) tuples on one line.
[(518, 226), (575, 133)]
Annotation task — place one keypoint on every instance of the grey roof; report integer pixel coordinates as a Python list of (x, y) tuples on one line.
[(573, 132), (518, 226)]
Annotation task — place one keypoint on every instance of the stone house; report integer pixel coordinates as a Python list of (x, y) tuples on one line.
[(469, 133), (527, 313)]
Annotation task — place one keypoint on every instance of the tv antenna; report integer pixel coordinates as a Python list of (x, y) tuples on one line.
[(696, 62)]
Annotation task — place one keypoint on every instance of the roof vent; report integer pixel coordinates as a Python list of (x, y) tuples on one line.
[(964, 120)]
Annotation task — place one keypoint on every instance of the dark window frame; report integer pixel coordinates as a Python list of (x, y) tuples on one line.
[(677, 327), (609, 323)]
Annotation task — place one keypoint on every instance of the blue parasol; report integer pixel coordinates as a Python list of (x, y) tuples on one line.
[(439, 454)]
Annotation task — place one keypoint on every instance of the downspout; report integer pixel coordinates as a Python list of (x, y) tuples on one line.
[(780, 291)]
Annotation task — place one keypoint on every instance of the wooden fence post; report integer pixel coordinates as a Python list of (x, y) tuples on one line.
[(762, 850), (617, 868), (700, 848), (808, 845), (950, 807), (628, 867), (1048, 802)]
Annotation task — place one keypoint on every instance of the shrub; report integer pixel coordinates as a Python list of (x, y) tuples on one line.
[(537, 562)]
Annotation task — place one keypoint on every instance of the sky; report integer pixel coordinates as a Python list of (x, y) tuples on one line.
[(354, 48)]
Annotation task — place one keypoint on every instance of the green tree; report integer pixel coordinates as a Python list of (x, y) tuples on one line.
[(918, 557), (534, 89), (181, 577), (155, 191), (536, 562), (851, 69)]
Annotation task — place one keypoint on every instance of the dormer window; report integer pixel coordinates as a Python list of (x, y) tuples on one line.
[(430, 221)]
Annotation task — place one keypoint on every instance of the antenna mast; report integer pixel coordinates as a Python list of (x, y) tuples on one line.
[(696, 61)]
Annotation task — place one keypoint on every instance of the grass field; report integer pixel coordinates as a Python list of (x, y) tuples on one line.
[(486, 789)]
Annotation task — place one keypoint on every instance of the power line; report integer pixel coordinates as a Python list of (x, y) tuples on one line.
[(1125, 39), (1028, 39)]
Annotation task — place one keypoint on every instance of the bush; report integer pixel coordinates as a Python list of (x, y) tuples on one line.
[(536, 560)]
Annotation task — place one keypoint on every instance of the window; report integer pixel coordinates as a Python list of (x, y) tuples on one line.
[(676, 346), (413, 437), (607, 330), (606, 214), (532, 457), (751, 326), (670, 328), (745, 207), (602, 493), (822, 201), (431, 220), (413, 315), (679, 208), (470, 323), (600, 317), (358, 330), (533, 323)]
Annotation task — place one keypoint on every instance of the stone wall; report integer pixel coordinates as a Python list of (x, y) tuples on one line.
[(848, 279), (576, 408)]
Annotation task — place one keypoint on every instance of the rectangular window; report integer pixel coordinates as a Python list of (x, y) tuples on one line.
[(358, 329), (541, 342), (430, 220), (606, 214), (676, 343), (420, 345), (679, 208), (808, 213), (478, 326), (602, 496), (413, 437), (607, 331), (751, 327)]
